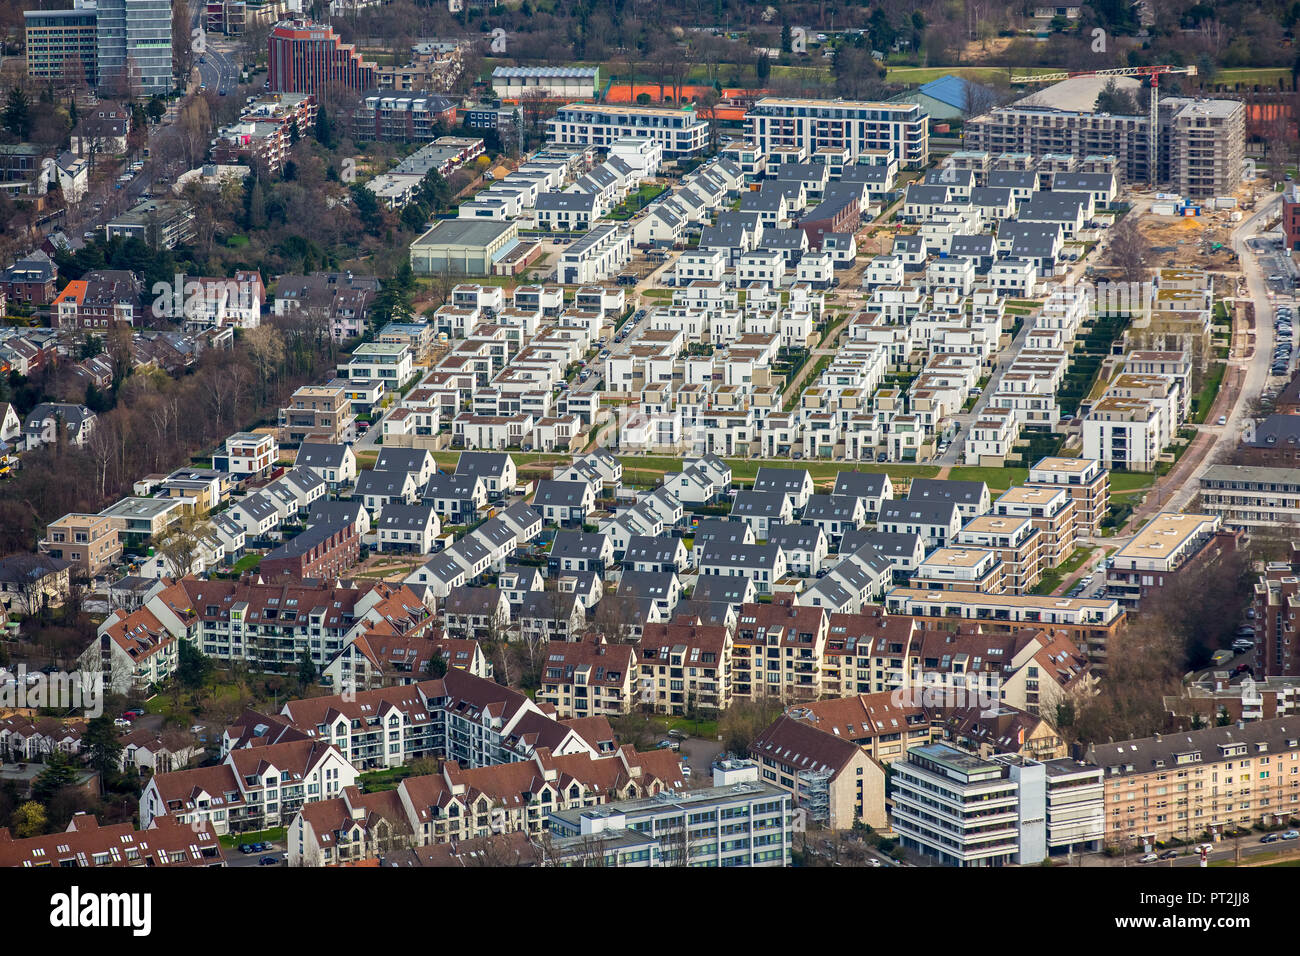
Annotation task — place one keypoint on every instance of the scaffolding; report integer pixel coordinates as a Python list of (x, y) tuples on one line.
[(813, 793)]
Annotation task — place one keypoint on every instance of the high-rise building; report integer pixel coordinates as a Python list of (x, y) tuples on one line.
[(134, 39), (304, 56), (61, 44)]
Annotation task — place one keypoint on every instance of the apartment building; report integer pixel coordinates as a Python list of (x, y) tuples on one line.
[(961, 569), (859, 128), (134, 49), (1090, 624), (588, 678), (1191, 784), (1087, 483), (1252, 498), (1277, 594), (1170, 544), (247, 455), (777, 650), (316, 414), (685, 665), (1192, 134), (251, 789), (1051, 510), (680, 131), (1018, 543), (832, 779), (90, 542)]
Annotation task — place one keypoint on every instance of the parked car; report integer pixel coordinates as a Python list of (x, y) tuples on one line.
[(121, 723), (1168, 854), (1291, 835), (1148, 858), (246, 848), (267, 861), (677, 734), (668, 745), (1269, 838), (1223, 419)]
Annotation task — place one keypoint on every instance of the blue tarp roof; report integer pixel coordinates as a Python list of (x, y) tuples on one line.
[(947, 89)]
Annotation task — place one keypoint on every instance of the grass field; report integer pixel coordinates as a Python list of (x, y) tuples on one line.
[(273, 835), (1204, 399), (983, 74)]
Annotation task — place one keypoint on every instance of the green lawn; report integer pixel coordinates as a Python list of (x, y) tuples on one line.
[(1203, 400), (377, 780), (982, 74), (248, 562), (1123, 482), (274, 835), (998, 479)]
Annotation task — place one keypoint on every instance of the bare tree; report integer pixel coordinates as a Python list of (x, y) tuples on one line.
[(1129, 252)]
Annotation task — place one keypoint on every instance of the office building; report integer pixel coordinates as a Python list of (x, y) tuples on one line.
[(134, 39), (304, 56)]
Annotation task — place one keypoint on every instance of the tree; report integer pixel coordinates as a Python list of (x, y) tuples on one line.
[(100, 746), (17, 113), (306, 670), (28, 820), (59, 772), (192, 666), (1129, 252), (179, 547), (1116, 101), (744, 720)]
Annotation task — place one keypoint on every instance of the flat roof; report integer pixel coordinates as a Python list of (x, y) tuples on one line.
[(464, 232), (1166, 533)]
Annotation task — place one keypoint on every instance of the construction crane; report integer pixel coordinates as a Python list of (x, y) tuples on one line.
[(1153, 72)]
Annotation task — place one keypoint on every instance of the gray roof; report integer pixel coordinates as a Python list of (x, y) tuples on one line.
[(401, 459), (990, 196), (485, 463), (720, 588), (1277, 431), (551, 492), (912, 511), (319, 455), (830, 507), (457, 487), (587, 546), (759, 503), (721, 530), (1197, 746), (795, 537), (646, 584), (942, 489), (402, 517), (1012, 178), (972, 246), (741, 556), (385, 484), (860, 484), (886, 543), (661, 550), (790, 480)]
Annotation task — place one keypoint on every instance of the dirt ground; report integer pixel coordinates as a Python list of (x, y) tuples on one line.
[(1189, 240)]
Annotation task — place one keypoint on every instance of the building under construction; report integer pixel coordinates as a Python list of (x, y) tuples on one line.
[(1201, 142)]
